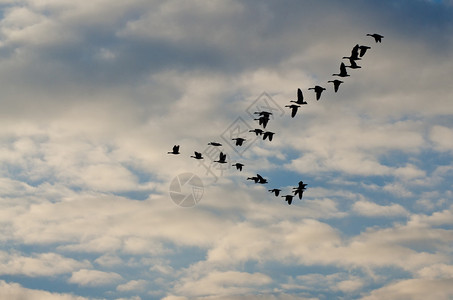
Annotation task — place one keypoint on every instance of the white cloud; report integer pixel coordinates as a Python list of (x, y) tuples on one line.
[(133, 285), (14, 291), (87, 277), (371, 209)]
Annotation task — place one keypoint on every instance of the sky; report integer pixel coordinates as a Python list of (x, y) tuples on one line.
[(93, 94)]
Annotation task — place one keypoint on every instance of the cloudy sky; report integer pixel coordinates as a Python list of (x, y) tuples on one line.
[(93, 94)]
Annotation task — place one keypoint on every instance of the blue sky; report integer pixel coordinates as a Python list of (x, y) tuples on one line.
[(94, 94)]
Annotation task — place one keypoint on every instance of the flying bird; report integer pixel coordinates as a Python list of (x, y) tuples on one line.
[(261, 179), (238, 166), (353, 65), (363, 49), (263, 113), (354, 53), (336, 84), (175, 150), (294, 108), (288, 198), (300, 98), (268, 134), (299, 190), (222, 158), (257, 131), (197, 155), (239, 141), (214, 144), (275, 191), (263, 120), (343, 72), (377, 37), (318, 90)]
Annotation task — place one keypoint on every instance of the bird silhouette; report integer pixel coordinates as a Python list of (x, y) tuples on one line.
[(268, 134), (197, 155), (318, 90), (294, 108), (353, 64), (354, 53), (336, 84), (377, 37), (275, 191), (363, 50), (239, 141), (288, 198), (254, 178), (263, 120), (299, 190), (214, 144), (343, 72), (175, 150), (238, 166), (257, 131), (222, 158), (261, 179), (263, 113), (300, 98)]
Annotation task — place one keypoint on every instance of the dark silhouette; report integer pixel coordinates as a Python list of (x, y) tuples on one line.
[(336, 84), (354, 53), (363, 50), (175, 150), (263, 120), (318, 90), (275, 191), (353, 64), (294, 108), (214, 144), (300, 98), (288, 198), (299, 190), (263, 113), (222, 158), (238, 166), (239, 141), (269, 135), (258, 179), (254, 178), (257, 131), (197, 155), (377, 37), (343, 72)]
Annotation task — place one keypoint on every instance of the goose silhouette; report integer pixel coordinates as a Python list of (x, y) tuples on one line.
[(377, 37), (239, 141), (214, 144), (275, 191), (343, 72), (336, 84), (363, 50), (318, 90), (197, 155), (263, 113), (294, 108), (238, 166), (222, 158), (288, 198), (175, 150), (263, 120), (353, 64), (298, 192), (354, 53), (257, 131), (268, 134), (300, 98)]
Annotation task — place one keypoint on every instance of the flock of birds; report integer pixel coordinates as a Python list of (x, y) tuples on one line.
[(357, 52)]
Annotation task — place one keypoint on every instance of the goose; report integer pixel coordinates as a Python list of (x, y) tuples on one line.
[(336, 84), (222, 158), (263, 113), (239, 141), (354, 53), (238, 166), (175, 150), (261, 180), (197, 155), (363, 49), (377, 37), (353, 64), (318, 90), (257, 131), (298, 192), (263, 120), (300, 98), (275, 191), (214, 144), (343, 72), (268, 134), (288, 198), (294, 108), (254, 178)]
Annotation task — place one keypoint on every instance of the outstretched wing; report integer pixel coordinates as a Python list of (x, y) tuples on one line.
[(300, 96)]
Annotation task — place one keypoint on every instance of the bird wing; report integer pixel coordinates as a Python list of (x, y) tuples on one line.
[(300, 96)]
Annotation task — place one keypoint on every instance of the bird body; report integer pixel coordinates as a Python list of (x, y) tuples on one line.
[(238, 166), (239, 141), (353, 64), (318, 90), (222, 158), (343, 72), (336, 84), (257, 131), (175, 150), (214, 144), (263, 120), (288, 198), (275, 191), (377, 37), (294, 108), (300, 98), (197, 155), (363, 49), (268, 134)]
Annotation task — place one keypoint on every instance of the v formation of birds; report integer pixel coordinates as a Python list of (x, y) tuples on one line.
[(263, 117)]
